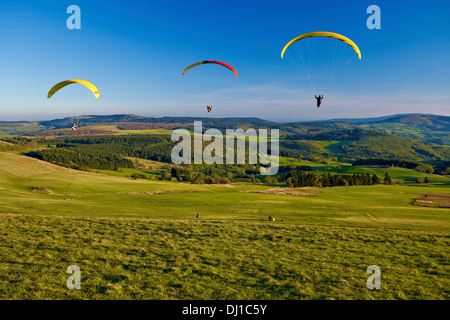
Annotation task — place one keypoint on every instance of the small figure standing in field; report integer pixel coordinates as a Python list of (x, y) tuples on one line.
[(197, 215)]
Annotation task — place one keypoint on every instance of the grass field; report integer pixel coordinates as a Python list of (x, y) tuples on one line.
[(140, 239), (10, 129)]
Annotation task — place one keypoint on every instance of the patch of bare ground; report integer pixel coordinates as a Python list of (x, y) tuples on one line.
[(438, 200), (158, 192), (287, 191), (44, 189)]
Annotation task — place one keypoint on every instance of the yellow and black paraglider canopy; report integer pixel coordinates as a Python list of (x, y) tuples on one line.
[(85, 83)]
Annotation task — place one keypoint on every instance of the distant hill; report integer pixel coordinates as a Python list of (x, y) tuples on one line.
[(421, 127), (374, 119), (420, 136), (424, 128), (124, 118), (102, 141)]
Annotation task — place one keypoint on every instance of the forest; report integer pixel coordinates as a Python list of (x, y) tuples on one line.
[(113, 152), (302, 179), (302, 147)]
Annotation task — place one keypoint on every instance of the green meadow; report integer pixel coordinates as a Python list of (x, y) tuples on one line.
[(141, 239)]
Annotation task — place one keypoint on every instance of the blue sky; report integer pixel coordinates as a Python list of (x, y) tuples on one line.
[(135, 51)]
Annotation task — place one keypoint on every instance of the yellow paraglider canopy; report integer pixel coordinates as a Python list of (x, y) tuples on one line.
[(323, 34), (85, 83)]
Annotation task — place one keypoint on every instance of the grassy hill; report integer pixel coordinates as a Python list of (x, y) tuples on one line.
[(140, 239), (36, 182), (421, 127), (391, 147), (424, 128), (19, 127)]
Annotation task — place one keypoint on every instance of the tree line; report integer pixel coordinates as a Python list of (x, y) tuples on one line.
[(297, 179), (409, 164)]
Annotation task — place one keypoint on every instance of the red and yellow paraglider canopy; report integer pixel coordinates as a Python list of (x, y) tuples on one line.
[(210, 61)]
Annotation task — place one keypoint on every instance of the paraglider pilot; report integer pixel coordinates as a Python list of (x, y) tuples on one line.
[(208, 108), (319, 100)]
